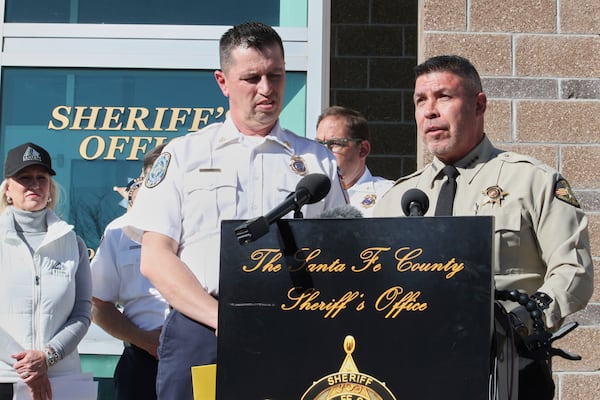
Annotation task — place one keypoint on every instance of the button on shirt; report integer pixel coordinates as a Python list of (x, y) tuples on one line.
[(216, 174), (367, 191)]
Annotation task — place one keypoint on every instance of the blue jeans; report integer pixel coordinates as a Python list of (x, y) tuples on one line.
[(184, 343)]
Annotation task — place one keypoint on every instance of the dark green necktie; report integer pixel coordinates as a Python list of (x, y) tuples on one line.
[(446, 197)]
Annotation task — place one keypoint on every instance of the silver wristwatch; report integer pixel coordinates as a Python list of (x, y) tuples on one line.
[(52, 356)]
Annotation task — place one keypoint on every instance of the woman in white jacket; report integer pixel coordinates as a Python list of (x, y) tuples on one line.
[(45, 280)]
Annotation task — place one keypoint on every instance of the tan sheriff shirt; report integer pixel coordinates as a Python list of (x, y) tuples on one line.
[(541, 236)]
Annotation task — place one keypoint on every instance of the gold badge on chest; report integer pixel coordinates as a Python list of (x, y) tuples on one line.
[(298, 165), (369, 200), (495, 195)]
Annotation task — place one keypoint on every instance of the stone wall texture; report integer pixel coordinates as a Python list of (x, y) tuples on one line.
[(540, 65)]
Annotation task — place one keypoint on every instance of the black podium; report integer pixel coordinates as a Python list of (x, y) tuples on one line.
[(374, 308)]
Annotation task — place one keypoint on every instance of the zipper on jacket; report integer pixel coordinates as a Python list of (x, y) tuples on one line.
[(37, 296)]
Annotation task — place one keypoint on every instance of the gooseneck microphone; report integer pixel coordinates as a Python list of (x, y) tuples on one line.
[(415, 203), (309, 190)]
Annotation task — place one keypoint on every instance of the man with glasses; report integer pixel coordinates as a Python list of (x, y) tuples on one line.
[(346, 133)]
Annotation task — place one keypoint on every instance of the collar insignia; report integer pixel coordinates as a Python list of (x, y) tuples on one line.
[(495, 195), (297, 165)]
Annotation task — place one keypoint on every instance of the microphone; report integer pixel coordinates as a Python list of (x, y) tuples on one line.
[(310, 189), (345, 211), (415, 203)]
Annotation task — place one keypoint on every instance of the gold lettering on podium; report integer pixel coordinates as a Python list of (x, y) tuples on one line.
[(391, 302), (309, 301), (405, 256), (394, 301)]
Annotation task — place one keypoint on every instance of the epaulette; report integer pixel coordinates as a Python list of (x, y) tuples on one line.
[(513, 158), (409, 176), (562, 189)]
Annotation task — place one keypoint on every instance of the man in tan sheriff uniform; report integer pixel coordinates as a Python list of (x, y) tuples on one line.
[(541, 239)]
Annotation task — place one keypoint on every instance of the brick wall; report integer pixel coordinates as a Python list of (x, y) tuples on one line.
[(540, 63)]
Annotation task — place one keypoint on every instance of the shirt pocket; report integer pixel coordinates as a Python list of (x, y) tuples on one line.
[(507, 229), (210, 196), (130, 255), (132, 282)]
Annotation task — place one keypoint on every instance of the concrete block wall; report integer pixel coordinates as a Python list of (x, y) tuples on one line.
[(540, 64), (373, 53)]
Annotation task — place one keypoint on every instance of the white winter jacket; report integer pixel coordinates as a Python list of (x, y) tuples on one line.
[(44, 299)]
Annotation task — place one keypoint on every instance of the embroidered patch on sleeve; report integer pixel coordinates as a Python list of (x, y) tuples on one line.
[(158, 171), (563, 191)]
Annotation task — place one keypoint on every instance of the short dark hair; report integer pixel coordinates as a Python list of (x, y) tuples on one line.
[(151, 156), (357, 124), (451, 63), (254, 35)]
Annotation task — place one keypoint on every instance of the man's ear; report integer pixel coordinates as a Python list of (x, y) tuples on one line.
[(365, 148), (222, 82), (481, 103)]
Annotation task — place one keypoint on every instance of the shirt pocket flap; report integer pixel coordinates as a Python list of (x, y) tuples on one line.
[(210, 179), (507, 218)]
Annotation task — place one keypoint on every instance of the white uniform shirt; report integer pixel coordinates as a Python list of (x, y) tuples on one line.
[(117, 279), (365, 193), (216, 174)]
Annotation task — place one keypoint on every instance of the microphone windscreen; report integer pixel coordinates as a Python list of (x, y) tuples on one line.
[(414, 196), (317, 186), (345, 211)]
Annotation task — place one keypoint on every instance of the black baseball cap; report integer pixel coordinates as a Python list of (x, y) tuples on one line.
[(25, 155)]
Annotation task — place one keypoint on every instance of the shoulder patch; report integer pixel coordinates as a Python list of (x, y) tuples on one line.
[(563, 191), (158, 171)]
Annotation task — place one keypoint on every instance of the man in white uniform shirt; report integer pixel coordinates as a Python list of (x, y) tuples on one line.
[(346, 133), (239, 169)]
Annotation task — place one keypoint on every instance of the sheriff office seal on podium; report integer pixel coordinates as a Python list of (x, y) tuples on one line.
[(348, 383)]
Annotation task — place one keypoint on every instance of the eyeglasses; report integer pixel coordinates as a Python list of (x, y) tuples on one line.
[(336, 145)]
